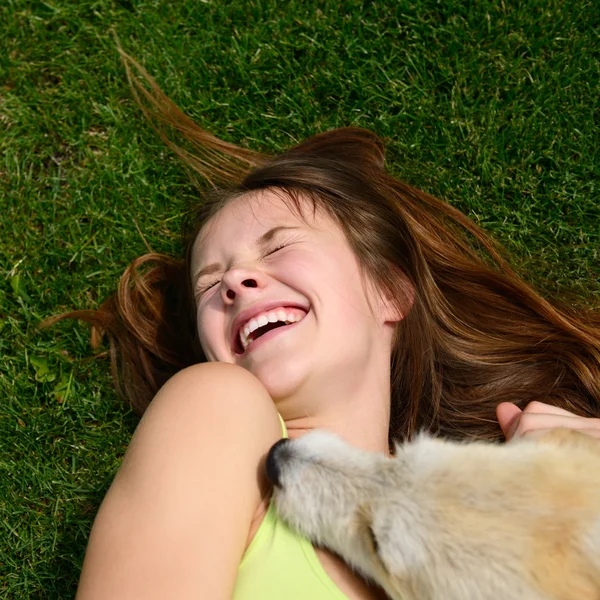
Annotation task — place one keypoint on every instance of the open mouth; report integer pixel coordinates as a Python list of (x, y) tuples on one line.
[(258, 333)]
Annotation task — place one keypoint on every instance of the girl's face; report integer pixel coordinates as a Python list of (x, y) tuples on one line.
[(313, 268)]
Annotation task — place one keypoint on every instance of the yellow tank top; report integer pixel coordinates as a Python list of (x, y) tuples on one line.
[(279, 563)]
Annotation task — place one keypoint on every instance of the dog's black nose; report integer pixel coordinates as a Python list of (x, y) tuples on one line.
[(272, 467)]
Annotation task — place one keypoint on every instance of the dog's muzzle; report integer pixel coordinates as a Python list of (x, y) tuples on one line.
[(273, 471)]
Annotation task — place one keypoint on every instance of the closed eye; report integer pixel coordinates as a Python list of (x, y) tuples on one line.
[(207, 287)]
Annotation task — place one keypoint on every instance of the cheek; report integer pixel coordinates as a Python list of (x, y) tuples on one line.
[(343, 282), (208, 328)]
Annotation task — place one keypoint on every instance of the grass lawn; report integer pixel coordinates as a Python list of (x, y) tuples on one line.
[(494, 108)]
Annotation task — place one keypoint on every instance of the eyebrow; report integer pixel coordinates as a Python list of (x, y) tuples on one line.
[(262, 241)]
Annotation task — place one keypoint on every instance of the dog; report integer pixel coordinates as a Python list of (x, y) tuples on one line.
[(445, 520)]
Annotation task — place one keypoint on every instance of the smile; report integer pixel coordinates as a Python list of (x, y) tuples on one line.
[(270, 331)]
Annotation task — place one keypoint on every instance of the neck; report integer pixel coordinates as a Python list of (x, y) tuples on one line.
[(358, 410)]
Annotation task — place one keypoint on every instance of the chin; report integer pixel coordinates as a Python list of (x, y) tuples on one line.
[(280, 381)]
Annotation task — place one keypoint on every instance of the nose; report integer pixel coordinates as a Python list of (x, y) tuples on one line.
[(233, 285), (273, 471)]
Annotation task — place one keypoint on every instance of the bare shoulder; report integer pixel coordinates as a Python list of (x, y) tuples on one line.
[(216, 390), (209, 406), (176, 519)]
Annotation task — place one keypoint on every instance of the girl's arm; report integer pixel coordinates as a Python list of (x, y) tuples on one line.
[(175, 521)]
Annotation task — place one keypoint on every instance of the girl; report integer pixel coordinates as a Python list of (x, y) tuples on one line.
[(316, 291)]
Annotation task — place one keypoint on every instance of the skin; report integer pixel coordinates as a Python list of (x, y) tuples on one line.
[(333, 371), (538, 418)]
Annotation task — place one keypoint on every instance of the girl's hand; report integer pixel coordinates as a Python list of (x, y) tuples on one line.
[(539, 417)]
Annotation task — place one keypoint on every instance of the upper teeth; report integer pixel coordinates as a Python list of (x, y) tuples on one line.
[(270, 317)]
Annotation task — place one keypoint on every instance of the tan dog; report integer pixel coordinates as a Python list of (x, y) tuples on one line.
[(451, 521)]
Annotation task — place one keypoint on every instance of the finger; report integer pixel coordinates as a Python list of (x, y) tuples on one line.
[(535, 433), (528, 422), (507, 414), (548, 409)]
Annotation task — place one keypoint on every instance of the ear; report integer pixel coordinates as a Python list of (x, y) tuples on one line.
[(364, 526), (395, 309), (365, 530)]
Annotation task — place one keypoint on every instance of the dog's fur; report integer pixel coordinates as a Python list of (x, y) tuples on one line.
[(448, 520)]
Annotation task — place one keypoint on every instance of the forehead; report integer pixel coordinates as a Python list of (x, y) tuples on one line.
[(245, 217)]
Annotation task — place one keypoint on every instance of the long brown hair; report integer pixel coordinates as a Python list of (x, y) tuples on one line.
[(476, 334)]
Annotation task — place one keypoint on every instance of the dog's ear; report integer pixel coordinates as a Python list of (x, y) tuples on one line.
[(364, 517), (374, 541)]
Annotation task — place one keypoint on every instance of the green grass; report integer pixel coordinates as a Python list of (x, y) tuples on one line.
[(492, 106)]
